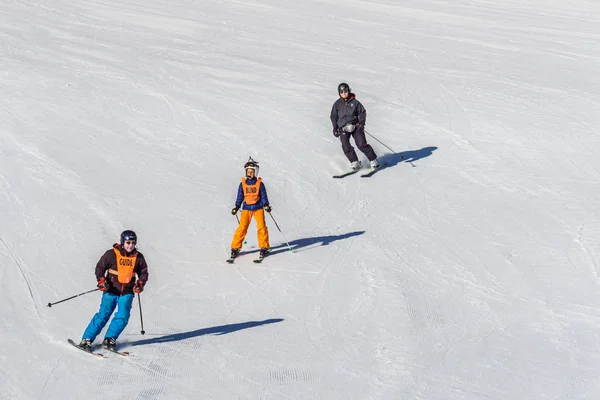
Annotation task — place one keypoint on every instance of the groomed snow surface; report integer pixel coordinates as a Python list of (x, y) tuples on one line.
[(467, 269)]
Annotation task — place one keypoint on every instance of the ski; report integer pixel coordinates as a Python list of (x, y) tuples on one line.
[(373, 170), (232, 260), (99, 355), (121, 353), (345, 174)]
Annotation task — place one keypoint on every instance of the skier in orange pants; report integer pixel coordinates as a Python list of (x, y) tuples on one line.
[(253, 194)]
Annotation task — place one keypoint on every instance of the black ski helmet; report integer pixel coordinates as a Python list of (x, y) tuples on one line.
[(128, 235), (252, 165), (343, 87)]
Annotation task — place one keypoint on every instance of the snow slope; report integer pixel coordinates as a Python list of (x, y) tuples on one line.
[(467, 269)]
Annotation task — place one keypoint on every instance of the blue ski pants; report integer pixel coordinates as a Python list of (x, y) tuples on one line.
[(107, 306)]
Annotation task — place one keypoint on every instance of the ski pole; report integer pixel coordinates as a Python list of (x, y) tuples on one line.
[(279, 229), (401, 156), (141, 318), (72, 297)]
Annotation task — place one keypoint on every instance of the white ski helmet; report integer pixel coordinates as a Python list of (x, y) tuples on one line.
[(251, 164)]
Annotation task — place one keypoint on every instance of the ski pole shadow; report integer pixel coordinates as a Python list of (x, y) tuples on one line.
[(408, 156), (306, 242), (215, 330)]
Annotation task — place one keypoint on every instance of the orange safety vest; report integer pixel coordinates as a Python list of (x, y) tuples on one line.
[(125, 266), (251, 192)]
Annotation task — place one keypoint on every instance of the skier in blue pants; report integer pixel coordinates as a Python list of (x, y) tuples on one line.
[(116, 275), (107, 307)]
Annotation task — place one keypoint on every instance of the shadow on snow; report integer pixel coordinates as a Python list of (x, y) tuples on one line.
[(408, 156), (306, 242), (215, 330)]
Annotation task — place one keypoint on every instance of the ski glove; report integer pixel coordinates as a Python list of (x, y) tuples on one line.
[(234, 210), (337, 131), (267, 208), (102, 284), (139, 287)]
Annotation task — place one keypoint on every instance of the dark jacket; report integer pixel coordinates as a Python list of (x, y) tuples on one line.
[(262, 190), (349, 111), (109, 261)]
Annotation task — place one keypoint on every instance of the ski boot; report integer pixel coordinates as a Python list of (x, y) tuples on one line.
[(109, 344), (85, 344)]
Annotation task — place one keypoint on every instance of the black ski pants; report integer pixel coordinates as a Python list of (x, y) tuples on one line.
[(361, 142)]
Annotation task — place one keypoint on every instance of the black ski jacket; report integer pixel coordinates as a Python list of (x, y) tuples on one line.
[(349, 111)]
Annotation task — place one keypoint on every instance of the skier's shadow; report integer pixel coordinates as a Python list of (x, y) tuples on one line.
[(215, 330), (408, 156), (306, 242)]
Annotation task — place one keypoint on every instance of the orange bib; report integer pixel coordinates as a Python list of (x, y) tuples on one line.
[(125, 266), (251, 192)]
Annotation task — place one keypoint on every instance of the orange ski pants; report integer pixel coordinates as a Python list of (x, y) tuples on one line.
[(242, 229)]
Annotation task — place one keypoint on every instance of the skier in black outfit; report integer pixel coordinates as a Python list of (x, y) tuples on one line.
[(348, 117)]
